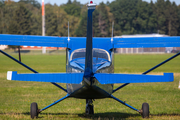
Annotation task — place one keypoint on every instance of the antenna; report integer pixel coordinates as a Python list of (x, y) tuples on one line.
[(68, 31), (112, 31)]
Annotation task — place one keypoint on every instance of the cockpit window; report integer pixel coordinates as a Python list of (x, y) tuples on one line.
[(80, 53), (97, 53)]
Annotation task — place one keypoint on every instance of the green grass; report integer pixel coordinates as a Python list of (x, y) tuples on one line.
[(139, 63), (16, 97)]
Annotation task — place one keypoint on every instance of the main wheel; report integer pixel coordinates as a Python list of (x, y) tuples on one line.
[(145, 110), (34, 110), (89, 110)]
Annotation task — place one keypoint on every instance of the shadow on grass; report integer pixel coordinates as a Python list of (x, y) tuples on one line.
[(165, 114), (107, 115)]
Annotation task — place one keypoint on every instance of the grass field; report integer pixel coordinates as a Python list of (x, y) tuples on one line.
[(16, 97)]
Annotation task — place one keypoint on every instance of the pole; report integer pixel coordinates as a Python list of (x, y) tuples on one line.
[(19, 53), (43, 25)]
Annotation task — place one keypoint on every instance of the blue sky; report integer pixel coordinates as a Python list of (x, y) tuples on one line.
[(59, 2)]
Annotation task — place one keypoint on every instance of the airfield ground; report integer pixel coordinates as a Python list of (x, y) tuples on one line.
[(16, 97)]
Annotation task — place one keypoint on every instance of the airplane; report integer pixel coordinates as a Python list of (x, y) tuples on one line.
[(89, 65)]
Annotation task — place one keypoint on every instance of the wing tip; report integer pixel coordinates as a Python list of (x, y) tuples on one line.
[(9, 75)]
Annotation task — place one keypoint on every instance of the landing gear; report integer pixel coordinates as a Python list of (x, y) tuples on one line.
[(89, 107), (145, 110), (34, 110)]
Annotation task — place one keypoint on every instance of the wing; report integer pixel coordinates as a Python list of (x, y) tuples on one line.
[(76, 78), (110, 78), (32, 40), (73, 78), (52, 41), (146, 42)]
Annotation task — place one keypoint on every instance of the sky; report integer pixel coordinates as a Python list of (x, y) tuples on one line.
[(59, 2)]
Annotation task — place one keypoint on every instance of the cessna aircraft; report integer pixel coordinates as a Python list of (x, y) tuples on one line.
[(89, 65)]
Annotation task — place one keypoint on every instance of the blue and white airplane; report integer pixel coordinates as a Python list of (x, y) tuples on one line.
[(89, 65)]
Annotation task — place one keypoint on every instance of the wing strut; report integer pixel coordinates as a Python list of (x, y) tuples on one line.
[(18, 61), (29, 68), (153, 68), (54, 103)]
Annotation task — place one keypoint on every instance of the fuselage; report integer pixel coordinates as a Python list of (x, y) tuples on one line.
[(102, 63)]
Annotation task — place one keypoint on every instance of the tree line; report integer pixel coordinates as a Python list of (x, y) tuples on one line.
[(129, 17)]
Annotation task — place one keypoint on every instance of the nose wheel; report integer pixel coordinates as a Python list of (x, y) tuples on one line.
[(89, 107)]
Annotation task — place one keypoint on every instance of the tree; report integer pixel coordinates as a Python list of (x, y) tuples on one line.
[(167, 17), (160, 14), (33, 2), (152, 21), (7, 11), (82, 28), (129, 16), (1, 3), (73, 8), (36, 21), (124, 11), (69, 2), (102, 20), (20, 23), (51, 21), (144, 21), (8, 2), (171, 18), (178, 13), (62, 22), (1, 14)]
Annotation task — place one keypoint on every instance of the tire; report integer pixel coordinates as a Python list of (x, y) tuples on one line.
[(145, 110), (34, 110)]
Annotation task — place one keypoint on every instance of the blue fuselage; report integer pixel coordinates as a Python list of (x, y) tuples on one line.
[(90, 89)]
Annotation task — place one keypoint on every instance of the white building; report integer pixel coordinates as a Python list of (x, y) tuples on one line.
[(144, 50), (2, 47), (141, 35)]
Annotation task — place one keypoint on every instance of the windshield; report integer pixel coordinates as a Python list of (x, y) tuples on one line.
[(97, 53)]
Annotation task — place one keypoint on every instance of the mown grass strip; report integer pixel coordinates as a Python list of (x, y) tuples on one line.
[(163, 98)]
